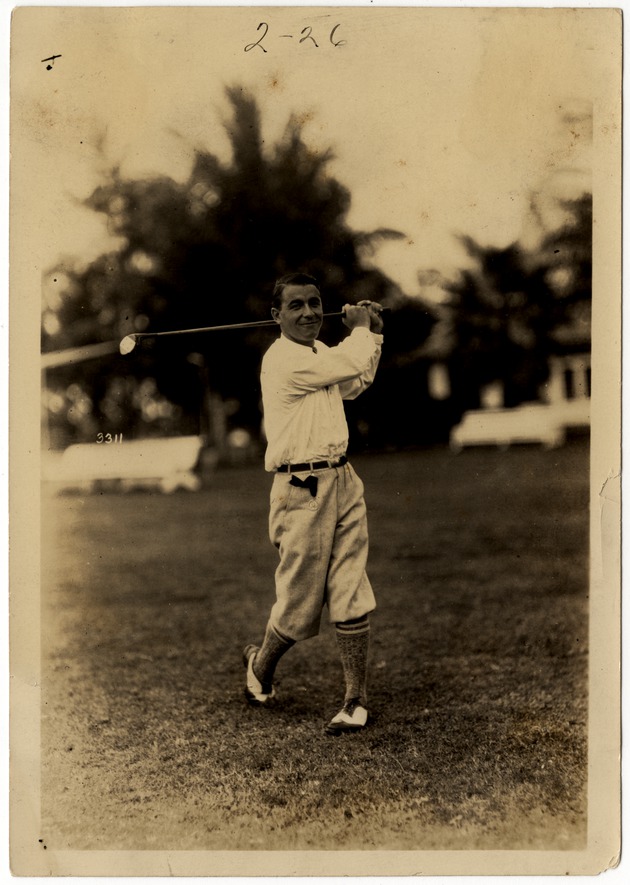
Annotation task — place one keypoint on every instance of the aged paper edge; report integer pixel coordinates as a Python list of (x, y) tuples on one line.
[(604, 812)]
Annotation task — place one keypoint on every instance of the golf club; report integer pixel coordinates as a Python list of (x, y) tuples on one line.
[(129, 342)]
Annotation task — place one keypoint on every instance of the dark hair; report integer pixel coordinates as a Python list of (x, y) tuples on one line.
[(291, 279)]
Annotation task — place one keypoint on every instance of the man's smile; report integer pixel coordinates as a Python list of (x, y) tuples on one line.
[(301, 314)]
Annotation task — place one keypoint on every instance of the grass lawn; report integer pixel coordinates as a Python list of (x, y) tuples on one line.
[(478, 667)]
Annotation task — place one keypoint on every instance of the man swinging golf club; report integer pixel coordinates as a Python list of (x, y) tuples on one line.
[(317, 517)]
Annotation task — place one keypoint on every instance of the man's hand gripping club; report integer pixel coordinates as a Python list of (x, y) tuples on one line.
[(365, 314)]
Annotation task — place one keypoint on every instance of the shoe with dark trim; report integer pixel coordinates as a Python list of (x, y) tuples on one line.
[(352, 717), (256, 692)]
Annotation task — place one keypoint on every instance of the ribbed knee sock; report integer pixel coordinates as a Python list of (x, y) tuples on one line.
[(273, 647), (353, 640)]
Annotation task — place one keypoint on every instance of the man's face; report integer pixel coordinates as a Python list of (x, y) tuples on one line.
[(301, 314)]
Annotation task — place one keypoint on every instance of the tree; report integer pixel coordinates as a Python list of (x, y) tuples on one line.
[(508, 309), (207, 252), (567, 256)]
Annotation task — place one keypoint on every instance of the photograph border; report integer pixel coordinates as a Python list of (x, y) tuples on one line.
[(26, 229)]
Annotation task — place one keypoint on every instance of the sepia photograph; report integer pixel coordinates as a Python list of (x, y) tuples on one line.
[(315, 440)]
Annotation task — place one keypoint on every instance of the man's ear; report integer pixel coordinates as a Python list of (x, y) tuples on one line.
[(275, 313)]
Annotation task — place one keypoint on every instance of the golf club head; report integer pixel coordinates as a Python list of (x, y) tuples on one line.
[(127, 344)]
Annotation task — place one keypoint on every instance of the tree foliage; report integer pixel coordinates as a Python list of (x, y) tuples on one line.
[(206, 252), (511, 309), (566, 254)]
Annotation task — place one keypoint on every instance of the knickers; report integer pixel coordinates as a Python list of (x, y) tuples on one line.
[(323, 546)]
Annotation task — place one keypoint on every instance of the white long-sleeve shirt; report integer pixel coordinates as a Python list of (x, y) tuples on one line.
[(303, 389)]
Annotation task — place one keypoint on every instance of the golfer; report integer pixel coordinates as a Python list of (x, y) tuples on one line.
[(317, 518)]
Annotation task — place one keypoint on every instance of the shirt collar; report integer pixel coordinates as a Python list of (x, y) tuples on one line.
[(286, 342)]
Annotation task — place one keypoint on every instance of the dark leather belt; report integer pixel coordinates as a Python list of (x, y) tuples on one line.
[(311, 465)]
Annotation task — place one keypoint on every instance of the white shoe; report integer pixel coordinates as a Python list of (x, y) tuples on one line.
[(352, 717), (255, 692)]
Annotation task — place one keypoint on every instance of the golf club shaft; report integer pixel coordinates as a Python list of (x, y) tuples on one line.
[(251, 325), (129, 342)]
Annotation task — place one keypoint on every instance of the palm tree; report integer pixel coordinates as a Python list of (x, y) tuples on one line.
[(207, 251)]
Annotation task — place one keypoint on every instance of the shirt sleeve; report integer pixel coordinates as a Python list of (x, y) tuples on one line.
[(355, 357), (351, 389)]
